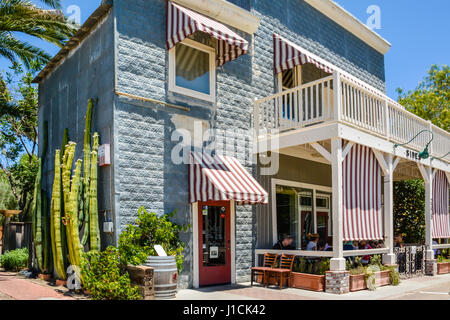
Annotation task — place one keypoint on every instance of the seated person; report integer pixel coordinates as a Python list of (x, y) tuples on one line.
[(348, 245), (312, 244), (364, 246), (285, 243)]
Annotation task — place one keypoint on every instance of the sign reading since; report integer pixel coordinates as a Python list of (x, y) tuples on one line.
[(413, 155)]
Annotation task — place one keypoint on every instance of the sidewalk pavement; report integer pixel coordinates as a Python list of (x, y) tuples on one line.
[(14, 287), (429, 288)]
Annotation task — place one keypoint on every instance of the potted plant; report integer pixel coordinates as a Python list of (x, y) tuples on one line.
[(372, 276), (309, 274), (443, 262)]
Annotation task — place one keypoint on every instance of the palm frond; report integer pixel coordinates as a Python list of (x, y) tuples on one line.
[(14, 49)]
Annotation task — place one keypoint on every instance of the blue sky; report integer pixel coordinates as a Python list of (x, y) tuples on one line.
[(417, 30)]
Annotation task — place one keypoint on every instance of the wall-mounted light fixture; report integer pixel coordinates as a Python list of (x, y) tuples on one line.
[(425, 154)]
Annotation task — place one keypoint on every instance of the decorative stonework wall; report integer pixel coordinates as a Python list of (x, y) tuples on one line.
[(337, 282)]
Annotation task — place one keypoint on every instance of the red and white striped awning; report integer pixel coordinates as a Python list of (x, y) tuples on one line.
[(222, 178), (182, 22), (362, 214), (287, 55), (440, 214)]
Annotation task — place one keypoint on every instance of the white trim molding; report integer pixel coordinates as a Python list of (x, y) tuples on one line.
[(225, 12), (349, 22), (195, 265)]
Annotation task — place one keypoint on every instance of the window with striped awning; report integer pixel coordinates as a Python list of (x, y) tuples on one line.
[(182, 22), (287, 55), (362, 210), (440, 205), (216, 178)]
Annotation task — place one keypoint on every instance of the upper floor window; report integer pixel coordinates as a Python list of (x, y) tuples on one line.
[(192, 70)]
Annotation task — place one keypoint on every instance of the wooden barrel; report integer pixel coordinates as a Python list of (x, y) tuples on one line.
[(165, 276)]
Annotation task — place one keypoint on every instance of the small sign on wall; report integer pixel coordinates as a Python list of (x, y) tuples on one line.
[(213, 252), (104, 155)]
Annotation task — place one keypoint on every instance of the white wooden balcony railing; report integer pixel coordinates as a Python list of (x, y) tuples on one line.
[(361, 106)]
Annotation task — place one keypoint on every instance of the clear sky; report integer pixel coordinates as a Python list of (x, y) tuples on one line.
[(418, 30)]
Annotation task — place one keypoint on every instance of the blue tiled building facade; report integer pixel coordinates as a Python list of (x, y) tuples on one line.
[(126, 52)]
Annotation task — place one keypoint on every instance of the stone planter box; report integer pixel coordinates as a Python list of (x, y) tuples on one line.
[(358, 282), (306, 281), (443, 267)]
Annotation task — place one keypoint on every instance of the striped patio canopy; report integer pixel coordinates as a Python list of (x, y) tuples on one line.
[(440, 214), (182, 22), (362, 214), (287, 55), (222, 178)]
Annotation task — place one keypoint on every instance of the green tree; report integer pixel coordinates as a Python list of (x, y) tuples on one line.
[(409, 210), (22, 16), (18, 134), (431, 99)]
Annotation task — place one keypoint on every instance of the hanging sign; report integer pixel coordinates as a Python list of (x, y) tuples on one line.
[(213, 252)]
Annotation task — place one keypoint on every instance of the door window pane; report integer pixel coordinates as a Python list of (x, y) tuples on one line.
[(214, 239), (192, 69)]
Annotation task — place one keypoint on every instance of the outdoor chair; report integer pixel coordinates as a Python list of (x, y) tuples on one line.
[(284, 271), (269, 262)]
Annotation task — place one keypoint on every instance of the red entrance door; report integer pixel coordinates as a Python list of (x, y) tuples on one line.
[(214, 242)]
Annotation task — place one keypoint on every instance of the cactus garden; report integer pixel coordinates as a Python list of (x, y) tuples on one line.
[(67, 226)]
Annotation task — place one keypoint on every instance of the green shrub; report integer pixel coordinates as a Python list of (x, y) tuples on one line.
[(137, 241), (394, 276), (375, 260), (104, 278), (14, 260), (357, 270)]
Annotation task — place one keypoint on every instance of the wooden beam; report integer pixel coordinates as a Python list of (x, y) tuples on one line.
[(347, 149), (424, 173), (381, 162), (324, 152), (394, 165)]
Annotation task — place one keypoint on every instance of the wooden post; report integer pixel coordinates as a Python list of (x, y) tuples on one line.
[(337, 263), (389, 258), (337, 95)]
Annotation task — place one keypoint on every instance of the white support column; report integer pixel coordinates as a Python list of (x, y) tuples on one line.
[(389, 258), (337, 263), (427, 174)]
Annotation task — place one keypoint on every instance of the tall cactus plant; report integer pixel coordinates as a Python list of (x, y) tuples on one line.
[(84, 213), (93, 205), (37, 217), (76, 249), (55, 220)]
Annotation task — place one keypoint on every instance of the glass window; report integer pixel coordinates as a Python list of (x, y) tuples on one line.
[(307, 215), (192, 69), (287, 213), (214, 242), (322, 203)]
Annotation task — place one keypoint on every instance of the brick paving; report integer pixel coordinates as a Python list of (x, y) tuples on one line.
[(18, 288)]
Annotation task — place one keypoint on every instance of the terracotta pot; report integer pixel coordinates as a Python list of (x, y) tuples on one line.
[(358, 282), (382, 278), (443, 267), (306, 281), (61, 282), (45, 277)]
